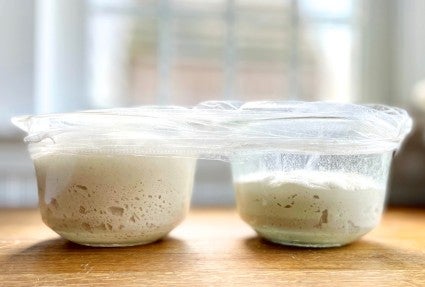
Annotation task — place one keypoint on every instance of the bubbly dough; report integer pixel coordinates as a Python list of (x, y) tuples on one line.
[(113, 200), (310, 208)]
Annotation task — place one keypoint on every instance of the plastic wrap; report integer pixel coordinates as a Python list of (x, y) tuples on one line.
[(309, 127), (219, 129)]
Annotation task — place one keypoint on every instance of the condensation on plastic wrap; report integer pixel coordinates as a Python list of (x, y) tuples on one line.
[(219, 129)]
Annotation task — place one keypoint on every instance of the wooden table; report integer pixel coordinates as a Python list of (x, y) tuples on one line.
[(212, 247)]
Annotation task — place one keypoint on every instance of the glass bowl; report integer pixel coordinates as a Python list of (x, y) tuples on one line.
[(313, 174), (112, 177)]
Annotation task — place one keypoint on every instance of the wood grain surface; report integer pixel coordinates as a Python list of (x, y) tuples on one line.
[(213, 247)]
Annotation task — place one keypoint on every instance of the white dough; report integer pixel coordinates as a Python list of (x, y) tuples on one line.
[(310, 208), (112, 200)]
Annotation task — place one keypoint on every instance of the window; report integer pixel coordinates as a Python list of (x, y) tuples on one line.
[(186, 51)]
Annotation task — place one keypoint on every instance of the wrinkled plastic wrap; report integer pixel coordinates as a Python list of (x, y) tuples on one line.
[(219, 129), (319, 127)]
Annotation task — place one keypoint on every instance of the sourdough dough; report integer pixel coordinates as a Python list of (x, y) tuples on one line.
[(112, 200), (310, 208)]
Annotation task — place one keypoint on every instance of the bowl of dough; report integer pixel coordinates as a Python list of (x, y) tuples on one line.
[(115, 177), (313, 174)]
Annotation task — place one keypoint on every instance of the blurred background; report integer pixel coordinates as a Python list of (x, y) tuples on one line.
[(61, 55)]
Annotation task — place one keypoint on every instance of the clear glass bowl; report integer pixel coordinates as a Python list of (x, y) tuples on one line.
[(313, 173), (112, 177), (311, 200)]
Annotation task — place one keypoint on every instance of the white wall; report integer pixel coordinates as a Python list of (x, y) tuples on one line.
[(17, 186), (16, 60), (60, 60), (409, 48)]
